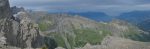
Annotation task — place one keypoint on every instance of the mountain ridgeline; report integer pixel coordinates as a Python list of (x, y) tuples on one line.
[(97, 16), (139, 18)]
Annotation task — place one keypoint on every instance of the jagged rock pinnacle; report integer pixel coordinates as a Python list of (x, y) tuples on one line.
[(4, 9)]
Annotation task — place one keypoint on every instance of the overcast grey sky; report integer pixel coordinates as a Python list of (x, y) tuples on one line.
[(111, 7)]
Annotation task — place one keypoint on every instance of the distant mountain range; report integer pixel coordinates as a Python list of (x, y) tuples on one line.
[(145, 25), (97, 16), (135, 16), (139, 18)]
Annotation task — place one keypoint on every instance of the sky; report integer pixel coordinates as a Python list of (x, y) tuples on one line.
[(110, 7)]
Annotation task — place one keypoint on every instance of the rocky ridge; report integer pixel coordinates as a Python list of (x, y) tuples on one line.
[(22, 33)]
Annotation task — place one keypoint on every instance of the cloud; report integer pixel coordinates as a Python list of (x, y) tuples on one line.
[(111, 7)]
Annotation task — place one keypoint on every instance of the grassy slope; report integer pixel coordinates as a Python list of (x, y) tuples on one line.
[(83, 36), (93, 37)]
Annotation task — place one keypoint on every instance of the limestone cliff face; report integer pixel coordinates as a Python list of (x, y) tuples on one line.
[(5, 23), (26, 32), (22, 33), (4, 9)]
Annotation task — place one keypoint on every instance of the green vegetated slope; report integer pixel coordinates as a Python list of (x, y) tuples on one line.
[(83, 36), (93, 37), (87, 31), (45, 23)]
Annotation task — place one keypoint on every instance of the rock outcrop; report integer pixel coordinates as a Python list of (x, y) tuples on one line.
[(21, 34), (16, 9), (5, 23), (4, 9), (27, 32)]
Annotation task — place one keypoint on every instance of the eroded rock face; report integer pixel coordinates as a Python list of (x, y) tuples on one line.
[(16, 9), (26, 32), (5, 23), (22, 33), (4, 9), (19, 32), (2, 39)]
